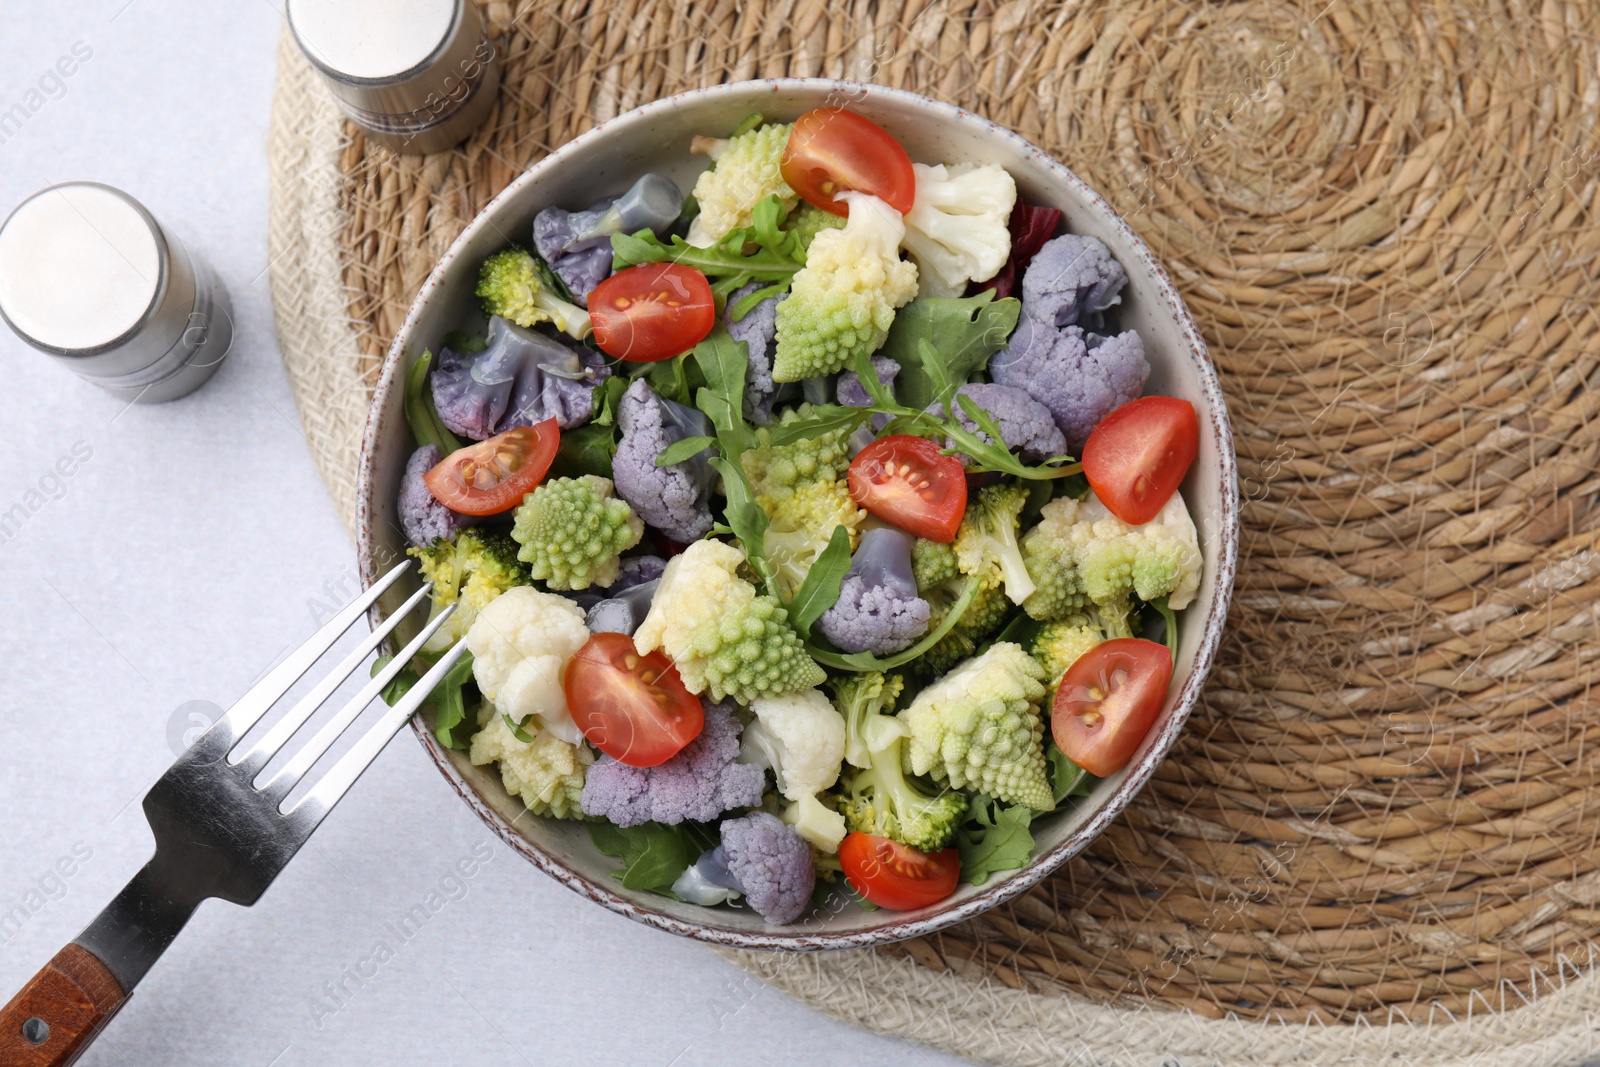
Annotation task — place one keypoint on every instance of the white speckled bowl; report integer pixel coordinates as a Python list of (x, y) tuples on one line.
[(656, 137)]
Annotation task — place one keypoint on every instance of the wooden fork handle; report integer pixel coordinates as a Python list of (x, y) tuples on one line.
[(57, 1014)]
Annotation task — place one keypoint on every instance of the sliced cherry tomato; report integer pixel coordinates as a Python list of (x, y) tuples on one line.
[(652, 312), (896, 876), (905, 481), (494, 475), (1138, 455), (1107, 701), (629, 706), (833, 151)]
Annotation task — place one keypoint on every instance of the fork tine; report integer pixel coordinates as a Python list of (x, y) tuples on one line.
[(262, 751), (342, 775), (284, 781), (248, 709)]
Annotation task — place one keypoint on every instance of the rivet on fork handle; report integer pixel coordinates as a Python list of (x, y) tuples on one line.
[(51, 1022)]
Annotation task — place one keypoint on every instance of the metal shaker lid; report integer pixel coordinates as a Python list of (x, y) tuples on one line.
[(372, 40), (83, 267)]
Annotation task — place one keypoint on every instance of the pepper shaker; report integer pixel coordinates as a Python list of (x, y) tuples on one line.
[(90, 278), (417, 75)]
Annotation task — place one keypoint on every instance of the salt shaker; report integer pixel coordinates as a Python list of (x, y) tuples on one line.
[(90, 278), (417, 75)]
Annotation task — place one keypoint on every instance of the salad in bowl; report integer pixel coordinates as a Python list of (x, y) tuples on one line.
[(813, 528)]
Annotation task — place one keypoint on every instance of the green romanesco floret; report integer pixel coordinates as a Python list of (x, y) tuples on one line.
[(808, 220), (547, 774), (723, 637), (515, 285), (475, 568), (776, 471), (876, 797), (800, 525), (1081, 554), (843, 300), (979, 728), (932, 562), (573, 532), (745, 173), (982, 620), (987, 543)]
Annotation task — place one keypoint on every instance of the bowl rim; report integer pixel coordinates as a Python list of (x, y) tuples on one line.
[(1136, 776)]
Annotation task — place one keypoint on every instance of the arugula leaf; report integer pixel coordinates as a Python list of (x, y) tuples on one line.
[(585, 450), (861, 662), (824, 418), (519, 730), (464, 341), (724, 363), (606, 399), (820, 590), (417, 400), (941, 342), (447, 699), (745, 517), (724, 260), (687, 448), (652, 855), (1067, 779), (994, 838)]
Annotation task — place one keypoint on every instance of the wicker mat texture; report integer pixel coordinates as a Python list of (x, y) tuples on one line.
[(1376, 838)]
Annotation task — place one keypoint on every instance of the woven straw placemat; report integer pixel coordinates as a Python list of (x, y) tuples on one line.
[(1376, 838)]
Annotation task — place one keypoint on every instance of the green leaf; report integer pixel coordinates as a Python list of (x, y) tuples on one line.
[(724, 364), (866, 661), (820, 590), (961, 333), (687, 448), (585, 450), (748, 302), (824, 418), (447, 698), (399, 685), (994, 838), (417, 400), (606, 399), (723, 260), (652, 855), (464, 341), (1067, 779), (745, 517), (519, 730), (750, 122)]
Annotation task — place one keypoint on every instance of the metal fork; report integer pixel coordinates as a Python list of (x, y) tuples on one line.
[(219, 831)]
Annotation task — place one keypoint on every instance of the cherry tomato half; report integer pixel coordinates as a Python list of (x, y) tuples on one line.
[(494, 475), (652, 312), (1139, 453), (896, 876), (904, 480), (833, 151), (632, 707), (1108, 700)]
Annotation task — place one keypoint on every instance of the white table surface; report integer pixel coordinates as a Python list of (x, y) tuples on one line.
[(191, 548)]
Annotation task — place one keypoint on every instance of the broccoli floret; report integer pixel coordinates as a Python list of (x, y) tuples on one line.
[(520, 378), (573, 532), (866, 702), (1071, 278), (514, 285), (986, 543), (878, 609), (808, 220), (843, 300), (776, 471), (698, 784), (760, 858), (800, 525), (473, 569), (982, 619), (1025, 424), (756, 330), (979, 728), (422, 518), (746, 173), (956, 230), (677, 499), (932, 562), (546, 773), (1082, 554), (723, 637)]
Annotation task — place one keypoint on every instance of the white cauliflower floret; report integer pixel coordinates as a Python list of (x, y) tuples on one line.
[(957, 228), (520, 643), (800, 737), (547, 774)]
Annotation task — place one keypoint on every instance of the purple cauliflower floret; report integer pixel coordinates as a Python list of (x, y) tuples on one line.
[(520, 379), (1025, 423), (1071, 277), (675, 499), (422, 517), (766, 860), (756, 330), (1081, 383), (622, 611), (637, 570), (577, 244), (878, 609), (698, 784), (853, 394)]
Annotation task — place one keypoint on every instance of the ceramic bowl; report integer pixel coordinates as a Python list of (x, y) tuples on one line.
[(656, 138)]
